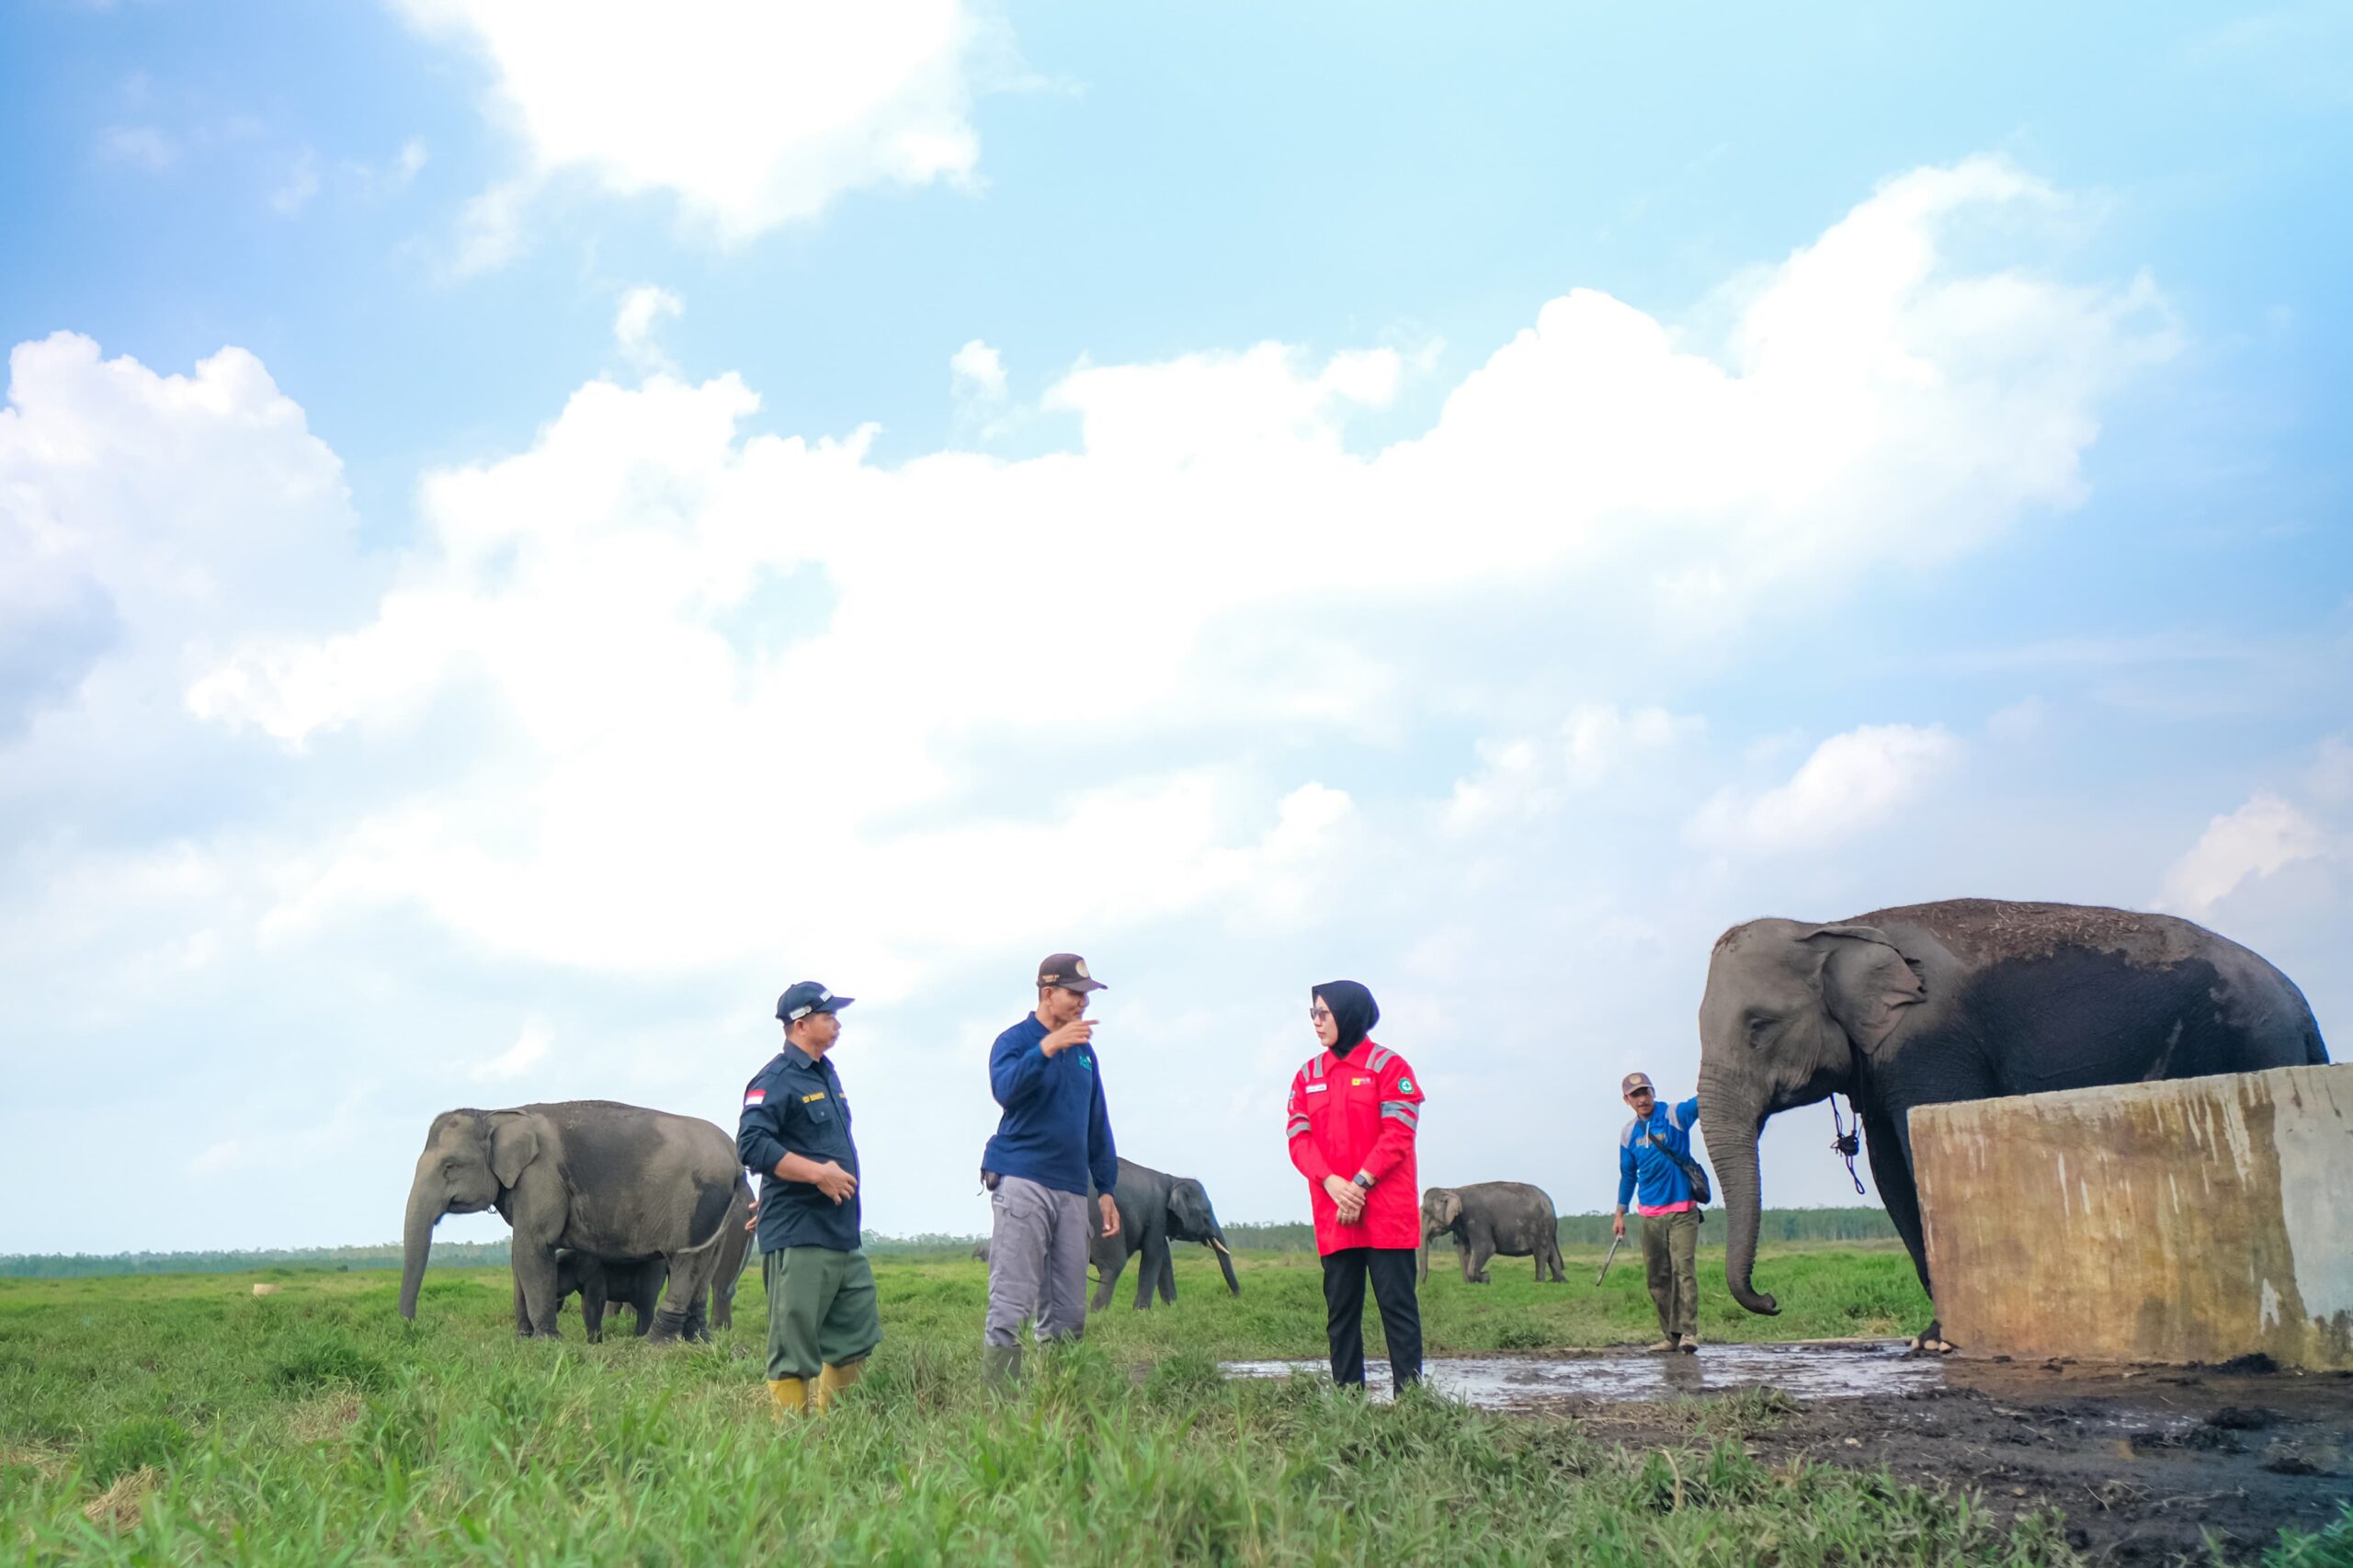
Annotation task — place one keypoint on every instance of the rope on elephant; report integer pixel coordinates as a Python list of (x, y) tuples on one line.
[(1847, 1144)]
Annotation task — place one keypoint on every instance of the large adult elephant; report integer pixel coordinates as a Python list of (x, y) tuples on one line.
[(1488, 1219), (1967, 999), (1155, 1209), (614, 1180)]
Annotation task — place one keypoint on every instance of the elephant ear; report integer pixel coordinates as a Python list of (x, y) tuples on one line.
[(1450, 1207), (1866, 983), (514, 1144)]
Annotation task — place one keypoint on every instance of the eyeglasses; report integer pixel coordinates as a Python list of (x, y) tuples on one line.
[(1318, 1014)]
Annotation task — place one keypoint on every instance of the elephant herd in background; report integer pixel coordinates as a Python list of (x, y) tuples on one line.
[(1922, 1005)]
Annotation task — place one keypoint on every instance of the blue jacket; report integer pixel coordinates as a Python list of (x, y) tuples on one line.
[(1642, 1160), (795, 1105), (1056, 1129)]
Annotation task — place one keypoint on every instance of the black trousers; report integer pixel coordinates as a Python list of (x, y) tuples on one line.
[(1392, 1271)]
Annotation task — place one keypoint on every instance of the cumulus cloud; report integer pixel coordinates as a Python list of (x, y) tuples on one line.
[(750, 114), (655, 699), (1853, 783), (978, 372), (2265, 835), (1522, 777), (643, 309)]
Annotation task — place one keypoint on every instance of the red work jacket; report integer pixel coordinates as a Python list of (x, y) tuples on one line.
[(1352, 1114)]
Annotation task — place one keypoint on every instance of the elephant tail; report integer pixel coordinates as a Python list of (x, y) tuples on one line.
[(712, 1200)]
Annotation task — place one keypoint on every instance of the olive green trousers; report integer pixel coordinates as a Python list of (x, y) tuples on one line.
[(822, 1309), (1670, 1255)]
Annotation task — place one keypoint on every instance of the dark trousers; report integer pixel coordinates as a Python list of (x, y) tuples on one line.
[(1392, 1270)]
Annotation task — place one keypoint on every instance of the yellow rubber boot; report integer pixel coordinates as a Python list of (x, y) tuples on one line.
[(790, 1395), (833, 1380)]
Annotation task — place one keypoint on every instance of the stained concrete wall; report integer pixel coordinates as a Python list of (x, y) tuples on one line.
[(2191, 1220)]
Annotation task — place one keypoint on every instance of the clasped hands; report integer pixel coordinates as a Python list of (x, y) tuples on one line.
[(1349, 1196)]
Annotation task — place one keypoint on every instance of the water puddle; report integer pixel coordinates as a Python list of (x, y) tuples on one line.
[(1808, 1371)]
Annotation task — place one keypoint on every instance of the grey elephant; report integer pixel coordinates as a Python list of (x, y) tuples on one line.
[(1491, 1217), (1155, 1209), (981, 1249), (636, 1283), (600, 1283), (1963, 1000), (591, 1175)]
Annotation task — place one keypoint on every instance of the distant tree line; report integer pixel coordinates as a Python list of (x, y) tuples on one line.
[(1576, 1230)]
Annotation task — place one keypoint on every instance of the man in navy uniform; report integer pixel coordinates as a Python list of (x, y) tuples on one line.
[(823, 1322)]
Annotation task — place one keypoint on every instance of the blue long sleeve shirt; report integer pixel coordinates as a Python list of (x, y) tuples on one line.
[(1643, 1160), (1056, 1129)]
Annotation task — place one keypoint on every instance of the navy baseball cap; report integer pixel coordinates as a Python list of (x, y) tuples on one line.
[(801, 1000)]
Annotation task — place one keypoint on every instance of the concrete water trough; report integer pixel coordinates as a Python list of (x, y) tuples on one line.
[(2198, 1221)]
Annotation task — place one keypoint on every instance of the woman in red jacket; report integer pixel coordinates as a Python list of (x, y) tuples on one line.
[(1353, 1113)]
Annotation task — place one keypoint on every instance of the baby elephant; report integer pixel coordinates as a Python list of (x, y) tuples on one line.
[(610, 1281), (1490, 1217)]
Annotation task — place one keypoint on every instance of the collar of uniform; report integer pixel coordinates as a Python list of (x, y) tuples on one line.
[(796, 1057)]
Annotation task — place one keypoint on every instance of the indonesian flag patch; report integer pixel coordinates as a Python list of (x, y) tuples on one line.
[(755, 1096)]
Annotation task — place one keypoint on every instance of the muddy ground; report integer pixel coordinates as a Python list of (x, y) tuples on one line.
[(2146, 1464)]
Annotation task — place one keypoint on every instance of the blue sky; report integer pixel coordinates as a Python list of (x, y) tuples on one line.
[(546, 524)]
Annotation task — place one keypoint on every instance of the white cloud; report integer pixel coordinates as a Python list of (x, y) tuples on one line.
[(666, 707), (1853, 783), (2263, 836), (529, 1048), (642, 309), (751, 114), (300, 184), (1522, 779), (140, 146), (978, 372)]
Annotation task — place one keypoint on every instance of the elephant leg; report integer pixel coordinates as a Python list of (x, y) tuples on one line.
[(1108, 1277), (647, 1301), (1892, 1170), (1462, 1257), (689, 1279), (1151, 1258), (522, 1312), (1483, 1247), (1168, 1273), (535, 1279), (592, 1309)]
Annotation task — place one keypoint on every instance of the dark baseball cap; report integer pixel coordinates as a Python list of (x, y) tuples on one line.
[(1636, 1081), (807, 996), (1069, 971)]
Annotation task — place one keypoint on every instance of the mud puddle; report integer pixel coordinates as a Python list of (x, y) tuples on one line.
[(2147, 1464), (1505, 1382)]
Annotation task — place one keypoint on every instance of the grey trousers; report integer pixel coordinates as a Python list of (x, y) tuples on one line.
[(1037, 1261)]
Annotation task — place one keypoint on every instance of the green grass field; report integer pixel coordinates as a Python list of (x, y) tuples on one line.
[(180, 1419)]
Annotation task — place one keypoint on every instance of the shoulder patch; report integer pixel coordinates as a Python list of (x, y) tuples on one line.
[(755, 1096)]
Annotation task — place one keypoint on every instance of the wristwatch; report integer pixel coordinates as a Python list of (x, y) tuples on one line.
[(1363, 1181)]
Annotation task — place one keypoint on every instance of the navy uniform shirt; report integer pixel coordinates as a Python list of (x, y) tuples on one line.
[(794, 1106)]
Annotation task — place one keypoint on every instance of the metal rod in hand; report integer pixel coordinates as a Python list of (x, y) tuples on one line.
[(1614, 1243)]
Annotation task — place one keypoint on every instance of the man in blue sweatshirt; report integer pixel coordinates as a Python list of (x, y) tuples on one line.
[(1054, 1137)]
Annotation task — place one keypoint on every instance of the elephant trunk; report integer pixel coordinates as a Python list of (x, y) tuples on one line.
[(1733, 1121), (1225, 1261), (416, 1242), (1422, 1265)]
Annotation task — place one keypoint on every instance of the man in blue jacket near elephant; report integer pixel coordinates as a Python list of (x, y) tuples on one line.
[(1054, 1138), (1650, 1155)]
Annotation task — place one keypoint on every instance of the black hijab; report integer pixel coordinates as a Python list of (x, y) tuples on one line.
[(1353, 1009)]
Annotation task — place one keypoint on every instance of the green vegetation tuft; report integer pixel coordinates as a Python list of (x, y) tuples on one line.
[(178, 1419)]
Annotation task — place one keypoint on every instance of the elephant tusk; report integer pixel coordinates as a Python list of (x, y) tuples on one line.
[(1219, 1246)]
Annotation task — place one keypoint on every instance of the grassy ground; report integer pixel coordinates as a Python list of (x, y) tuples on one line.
[(181, 1419)]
